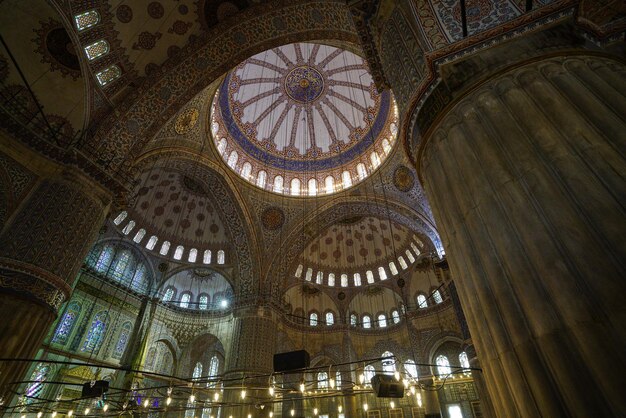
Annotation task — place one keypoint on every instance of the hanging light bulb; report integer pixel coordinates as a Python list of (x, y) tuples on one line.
[(412, 390), (145, 403), (54, 414), (419, 399), (396, 374), (216, 396), (168, 400), (340, 408), (392, 404), (365, 407), (249, 415), (271, 390), (302, 387), (105, 407), (292, 412), (314, 411), (87, 410), (271, 414), (331, 382), (70, 412), (39, 414)]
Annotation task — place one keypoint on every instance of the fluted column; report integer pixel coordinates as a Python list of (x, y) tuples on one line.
[(526, 179), (41, 251)]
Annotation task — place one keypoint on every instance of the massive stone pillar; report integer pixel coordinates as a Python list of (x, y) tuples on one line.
[(41, 250), (526, 178)]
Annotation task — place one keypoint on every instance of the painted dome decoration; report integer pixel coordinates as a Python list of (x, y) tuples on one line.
[(303, 119)]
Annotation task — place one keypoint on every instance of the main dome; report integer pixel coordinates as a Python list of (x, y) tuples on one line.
[(303, 119)]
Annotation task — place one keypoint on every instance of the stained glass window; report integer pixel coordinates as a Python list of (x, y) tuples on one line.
[(299, 271), (319, 277), (322, 380), (395, 316), (221, 258), (97, 49), (370, 276), (122, 340), (443, 365), (421, 301), (382, 273), (309, 274), (232, 159), (165, 248), (313, 319), (66, 324), (346, 179), (411, 369), (330, 318), (169, 294), (152, 242), (312, 188), (246, 170), (389, 363), (129, 227), (120, 218), (369, 372), (392, 268), (357, 279), (409, 255), (261, 178), (86, 20), (203, 302), (206, 258), (403, 263), (464, 361), (437, 297), (338, 379), (353, 320), (214, 366), (295, 187), (104, 260), (95, 337), (278, 184), (184, 300), (344, 280), (361, 171), (178, 253), (39, 375), (139, 235), (138, 283), (197, 371), (329, 184), (367, 321), (108, 75), (121, 267), (382, 321), (331, 279)]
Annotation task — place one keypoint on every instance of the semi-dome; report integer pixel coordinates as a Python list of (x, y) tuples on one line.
[(303, 119)]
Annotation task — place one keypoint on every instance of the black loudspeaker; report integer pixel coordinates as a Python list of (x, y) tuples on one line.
[(96, 390), (292, 360), (386, 386)]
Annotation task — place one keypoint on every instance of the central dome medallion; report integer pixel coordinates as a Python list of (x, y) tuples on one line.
[(303, 119)]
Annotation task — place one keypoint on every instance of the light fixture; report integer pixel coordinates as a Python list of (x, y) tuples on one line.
[(292, 412), (331, 382), (87, 410), (168, 400), (412, 390), (392, 404), (39, 414), (340, 408), (249, 415), (224, 303), (216, 396), (145, 403), (315, 411), (365, 407), (54, 414), (192, 398), (419, 399), (271, 390), (105, 407), (396, 374), (243, 394), (70, 412), (271, 414), (302, 387)]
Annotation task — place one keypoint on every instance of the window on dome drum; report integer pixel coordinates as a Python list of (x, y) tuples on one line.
[(313, 319), (295, 187), (319, 278), (139, 235), (122, 340), (203, 302), (261, 178), (221, 146), (415, 249), (108, 75), (120, 218), (165, 248), (330, 318), (443, 365), (367, 322), (369, 372), (357, 279), (409, 255), (97, 49), (299, 271), (382, 321), (389, 363), (232, 159), (178, 253), (370, 276), (129, 227), (382, 273), (221, 257), (309, 274), (246, 170), (86, 20), (375, 159), (392, 268), (185, 299), (437, 297), (152, 242), (278, 184), (206, 258), (464, 361), (346, 179), (361, 171), (39, 375), (329, 184), (386, 146), (344, 280), (395, 316), (331, 279), (322, 380), (193, 254), (169, 294), (411, 369), (95, 336), (403, 263), (421, 301), (312, 187), (67, 322), (353, 320)]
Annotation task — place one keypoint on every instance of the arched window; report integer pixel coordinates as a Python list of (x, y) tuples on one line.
[(421, 301), (232, 159), (221, 146), (97, 49), (120, 218), (295, 187), (139, 235), (392, 268), (246, 170), (95, 336), (411, 369), (403, 263), (221, 257), (338, 380), (184, 300), (313, 319), (409, 255), (464, 361), (322, 380), (389, 363), (309, 274), (386, 146), (278, 184), (437, 297), (361, 171), (169, 294), (178, 253), (206, 258), (370, 276), (138, 283), (369, 372), (203, 302), (312, 187), (344, 280), (214, 365), (395, 316), (319, 277), (346, 179), (330, 318), (357, 279), (104, 260), (353, 320), (152, 242), (415, 249), (39, 375), (122, 341), (150, 358), (86, 20), (121, 265), (299, 271), (197, 371), (165, 248), (443, 365), (129, 227), (261, 178), (108, 75), (66, 324), (367, 322), (382, 321), (329, 184), (331, 279), (375, 159), (193, 254), (382, 273)]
